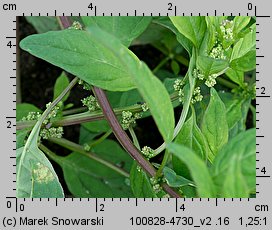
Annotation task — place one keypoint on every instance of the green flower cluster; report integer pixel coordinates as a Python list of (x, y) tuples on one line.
[(46, 132), (178, 86), (76, 26), (129, 119), (226, 28), (91, 103), (148, 152), (32, 116), (51, 132), (209, 81)]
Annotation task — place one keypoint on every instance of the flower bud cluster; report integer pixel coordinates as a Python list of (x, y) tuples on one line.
[(148, 152), (210, 81), (226, 28), (51, 132), (218, 52), (129, 119), (178, 86), (85, 85), (155, 182), (76, 26), (196, 95), (91, 103), (144, 107), (52, 114), (31, 116)]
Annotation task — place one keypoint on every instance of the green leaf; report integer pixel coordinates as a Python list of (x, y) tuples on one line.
[(190, 136), (236, 76), (21, 137), (175, 67), (97, 126), (61, 83), (94, 56), (245, 63), (23, 109), (240, 23), (86, 177), (192, 28), (156, 96), (126, 29), (198, 169), (174, 180), (234, 168), (210, 65), (35, 176), (214, 124), (245, 44), (43, 24), (140, 183)]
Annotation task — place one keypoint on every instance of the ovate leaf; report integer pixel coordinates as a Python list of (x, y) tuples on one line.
[(155, 95), (126, 29), (236, 76), (192, 28), (210, 65), (140, 183), (198, 169), (61, 83), (215, 125), (245, 44), (234, 168), (240, 22), (190, 136), (95, 56)]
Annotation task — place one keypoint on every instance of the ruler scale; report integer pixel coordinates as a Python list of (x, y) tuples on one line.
[(133, 213)]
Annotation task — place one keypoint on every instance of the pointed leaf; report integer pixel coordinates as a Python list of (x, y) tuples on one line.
[(192, 28), (198, 169), (215, 125), (95, 56), (210, 65)]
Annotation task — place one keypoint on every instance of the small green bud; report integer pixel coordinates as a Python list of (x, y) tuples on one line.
[(144, 107), (76, 25), (85, 85), (196, 95), (87, 147)]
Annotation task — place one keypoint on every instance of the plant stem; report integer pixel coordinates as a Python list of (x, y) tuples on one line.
[(86, 116), (79, 149), (161, 64), (124, 139), (134, 138), (163, 164)]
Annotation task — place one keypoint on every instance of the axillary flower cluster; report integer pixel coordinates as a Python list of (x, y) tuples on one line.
[(178, 86), (48, 131)]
